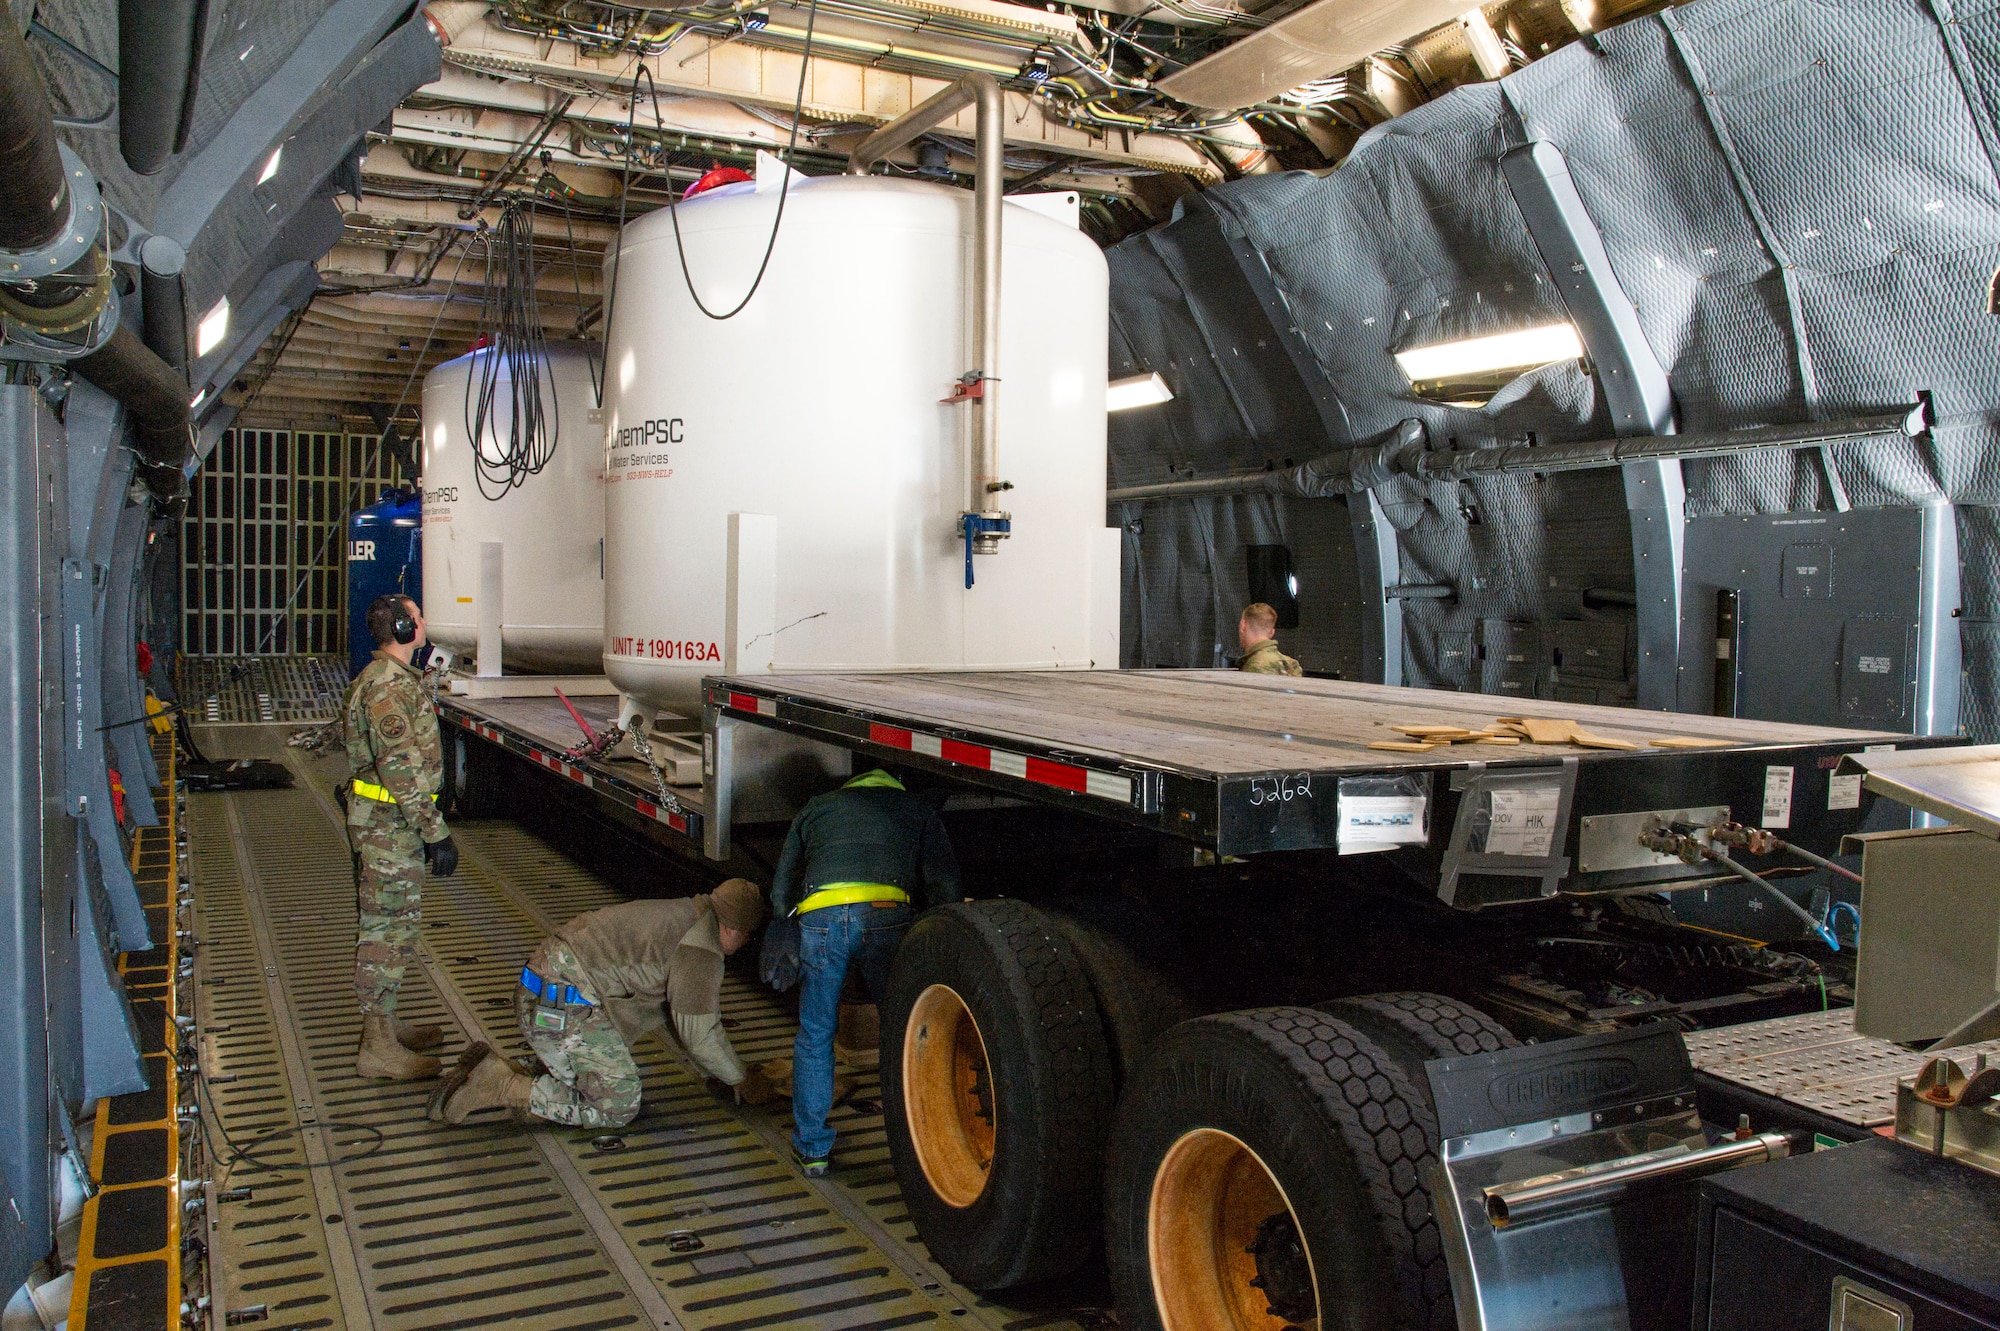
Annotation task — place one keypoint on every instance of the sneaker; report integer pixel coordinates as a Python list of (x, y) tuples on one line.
[(810, 1167)]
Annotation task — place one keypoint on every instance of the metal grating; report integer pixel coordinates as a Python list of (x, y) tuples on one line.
[(267, 1242), (264, 558), (694, 1218), (1816, 1060), (253, 690)]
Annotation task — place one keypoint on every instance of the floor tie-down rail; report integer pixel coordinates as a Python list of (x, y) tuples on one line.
[(345, 1207)]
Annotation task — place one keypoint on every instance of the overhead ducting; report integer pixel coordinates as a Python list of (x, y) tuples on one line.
[(156, 404), (55, 278), (1323, 38), (159, 55)]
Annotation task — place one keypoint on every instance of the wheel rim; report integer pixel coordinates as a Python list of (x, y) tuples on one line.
[(1215, 1213), (948, 1093)]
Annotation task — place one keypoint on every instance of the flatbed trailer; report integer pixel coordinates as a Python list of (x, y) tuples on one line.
[(1247, 764), (1013, 1026), (1237, 764)]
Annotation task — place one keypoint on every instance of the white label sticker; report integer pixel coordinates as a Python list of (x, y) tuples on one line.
[(1843, 792), (1777, 797), (1878, 748), (1873, 665), (1524, 822), (1378, 822)]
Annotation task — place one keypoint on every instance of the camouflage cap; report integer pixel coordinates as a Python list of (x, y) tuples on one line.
[(738, 904)]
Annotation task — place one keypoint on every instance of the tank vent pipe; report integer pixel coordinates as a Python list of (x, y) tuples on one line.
[(983, 523)]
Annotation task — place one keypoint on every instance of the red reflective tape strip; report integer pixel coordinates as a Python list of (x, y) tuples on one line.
[(1061, 775), (888, 735), (971, 755), (554, 764), (651, 810), (743, 702)]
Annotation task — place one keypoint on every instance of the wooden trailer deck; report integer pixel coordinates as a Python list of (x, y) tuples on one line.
[(1224, 723)]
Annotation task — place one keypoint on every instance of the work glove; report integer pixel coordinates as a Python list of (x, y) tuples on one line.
[(442, 856), (778, 963)]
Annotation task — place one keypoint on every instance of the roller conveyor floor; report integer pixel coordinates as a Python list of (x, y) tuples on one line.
[(341, 1206)]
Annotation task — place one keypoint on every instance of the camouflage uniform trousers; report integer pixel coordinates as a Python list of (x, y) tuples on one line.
[(592, 1081), (388, 898)]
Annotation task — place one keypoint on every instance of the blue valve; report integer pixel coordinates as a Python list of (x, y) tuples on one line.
[(972, 526)]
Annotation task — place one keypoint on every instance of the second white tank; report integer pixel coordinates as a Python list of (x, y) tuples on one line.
[(550, 526), (783, 487)]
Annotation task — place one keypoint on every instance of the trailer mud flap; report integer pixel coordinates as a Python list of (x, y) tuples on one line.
[(1563, 1184)]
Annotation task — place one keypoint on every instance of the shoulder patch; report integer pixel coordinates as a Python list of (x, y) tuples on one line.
[(394, 727)]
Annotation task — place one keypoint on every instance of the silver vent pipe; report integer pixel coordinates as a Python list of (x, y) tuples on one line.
[(983, 523)]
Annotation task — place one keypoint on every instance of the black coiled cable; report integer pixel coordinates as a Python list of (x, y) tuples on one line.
[(514, 424)]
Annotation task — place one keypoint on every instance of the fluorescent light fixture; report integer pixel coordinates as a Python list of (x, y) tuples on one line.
[(271, 166), (214, 327), (199, 398), (1523, 349), (1141, 390)]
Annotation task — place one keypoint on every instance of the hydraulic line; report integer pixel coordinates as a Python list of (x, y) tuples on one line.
[(1820, 860), (1680, 840), (1825, 934), (1760, 842)]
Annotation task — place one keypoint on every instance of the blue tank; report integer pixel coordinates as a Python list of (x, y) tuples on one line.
[(384, 556)]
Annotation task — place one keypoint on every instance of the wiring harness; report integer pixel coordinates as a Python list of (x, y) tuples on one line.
[(512, 417)]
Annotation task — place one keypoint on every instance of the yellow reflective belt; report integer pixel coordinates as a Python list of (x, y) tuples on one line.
[(848, 894), (368, 790)]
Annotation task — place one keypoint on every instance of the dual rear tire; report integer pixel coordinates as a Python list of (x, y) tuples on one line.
[(1263, 1170), (997, 1085)]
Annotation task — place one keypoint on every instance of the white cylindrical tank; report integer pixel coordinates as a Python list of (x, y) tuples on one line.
[(551, 525), (782, 489)]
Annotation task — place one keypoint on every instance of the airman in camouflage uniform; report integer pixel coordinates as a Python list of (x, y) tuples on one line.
[(1257, 632), (587, 995), (394, 827)]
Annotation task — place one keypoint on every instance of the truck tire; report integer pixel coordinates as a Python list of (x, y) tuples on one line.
[(996, 1087), (1288, 1137), (1417, 1027), (1130, 968), (470, 789)]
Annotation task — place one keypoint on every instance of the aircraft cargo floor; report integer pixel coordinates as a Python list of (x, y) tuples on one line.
[(340, 1205)]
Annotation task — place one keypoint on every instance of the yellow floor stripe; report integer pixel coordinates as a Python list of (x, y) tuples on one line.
[(139, 1303)]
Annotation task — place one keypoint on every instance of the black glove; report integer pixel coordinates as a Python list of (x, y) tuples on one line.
[(778, 963), (442, 856)]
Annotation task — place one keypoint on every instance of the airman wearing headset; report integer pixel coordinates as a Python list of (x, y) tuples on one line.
[(393, 824)]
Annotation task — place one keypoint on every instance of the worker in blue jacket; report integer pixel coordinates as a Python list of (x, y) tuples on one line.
[(858, 863)]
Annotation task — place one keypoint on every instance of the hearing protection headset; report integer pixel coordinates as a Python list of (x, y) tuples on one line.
[(403, 627)]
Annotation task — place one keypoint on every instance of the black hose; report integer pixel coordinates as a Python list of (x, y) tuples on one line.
[(34, 197), (514, 425), (157, 60), (34, 206), (163, 299), (155, 398)]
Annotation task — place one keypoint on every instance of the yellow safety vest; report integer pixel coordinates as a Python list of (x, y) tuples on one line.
[(368, 790), (848, 894)]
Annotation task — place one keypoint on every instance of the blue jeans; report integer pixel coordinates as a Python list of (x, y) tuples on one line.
[(831, 939)]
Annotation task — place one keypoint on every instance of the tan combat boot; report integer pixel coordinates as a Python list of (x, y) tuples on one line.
[(494, 1083), (381, 1057), (421, 1039)]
